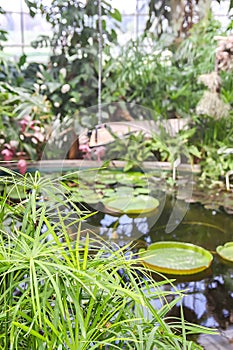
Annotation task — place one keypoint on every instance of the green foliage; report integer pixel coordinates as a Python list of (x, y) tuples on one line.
[(170, 148), (71, 80), (56, 293), (214, 139), (18, 105), (161, 146), (8, 126), (133, 149), (148, 80), (197, 51), (165, 79), (216, 162), (3, 33), (226, 88), (9, 71)]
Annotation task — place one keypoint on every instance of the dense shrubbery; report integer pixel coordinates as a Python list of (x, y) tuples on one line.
[(163, 77)]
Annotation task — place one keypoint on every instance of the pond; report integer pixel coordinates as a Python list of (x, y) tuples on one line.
[(208, 298)]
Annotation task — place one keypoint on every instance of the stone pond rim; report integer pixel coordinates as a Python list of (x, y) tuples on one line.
[(49, 166)]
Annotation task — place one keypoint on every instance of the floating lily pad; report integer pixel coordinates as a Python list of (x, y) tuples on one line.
[(226, 251), (90, 197), (132, 205), (124, 191), (141, 190), (126, 178), (16, 192), (76, 197), (108, 192), (99, 186), (106, 181), (211, 206), (85, 195), (176, 258)]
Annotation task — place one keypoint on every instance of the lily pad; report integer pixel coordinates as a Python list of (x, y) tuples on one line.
[(85, 195), (176, 258), (141, 190), (132, 205), (108, 192), (76, 197), (124, 191), (16, 192), (99, 186), (226, 251), (106, 181), (92, 199)]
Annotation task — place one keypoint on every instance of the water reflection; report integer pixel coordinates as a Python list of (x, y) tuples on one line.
[(209, 295), (124, 225)]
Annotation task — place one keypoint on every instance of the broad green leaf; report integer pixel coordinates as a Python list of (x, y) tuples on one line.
[(176, 258), (132, 205)]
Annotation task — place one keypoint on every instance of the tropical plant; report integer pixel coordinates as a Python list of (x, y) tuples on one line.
[(217, 161), (133, 149), (23, 120), (59, 293), (171, 148), (213, 139), (3, 33), (71, 79), (164, 78), (152, 80), (10, 71)]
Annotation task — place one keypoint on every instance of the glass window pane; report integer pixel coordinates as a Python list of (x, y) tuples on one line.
[(11, 23), (33, 27), (13, 5), (13, 52), (125, 7), (143, 6), (128, 27), (37, 55), (142, 23)]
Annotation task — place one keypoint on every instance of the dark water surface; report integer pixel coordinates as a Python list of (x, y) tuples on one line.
[(209, 295)]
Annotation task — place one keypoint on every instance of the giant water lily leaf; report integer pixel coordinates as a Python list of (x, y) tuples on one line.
[(176, 258), (132, 205), (226, 251)]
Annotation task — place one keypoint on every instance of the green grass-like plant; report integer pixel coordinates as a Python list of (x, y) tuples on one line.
[(59, 293)]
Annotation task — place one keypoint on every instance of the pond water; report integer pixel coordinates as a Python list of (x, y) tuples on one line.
[(209, 295), (208, 298)]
